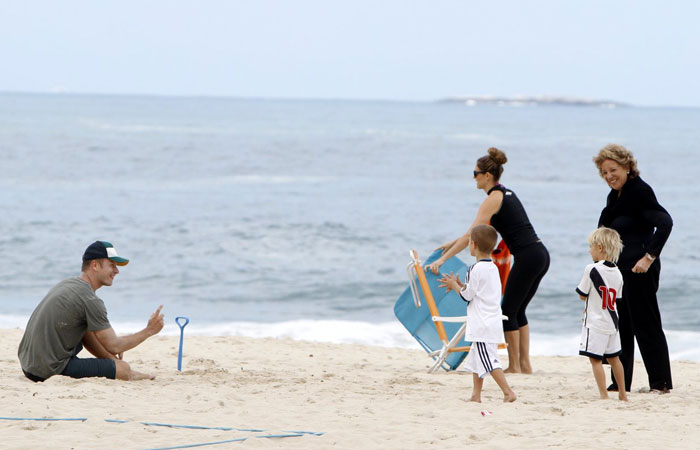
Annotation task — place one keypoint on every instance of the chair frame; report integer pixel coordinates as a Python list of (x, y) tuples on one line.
[(415, 271)]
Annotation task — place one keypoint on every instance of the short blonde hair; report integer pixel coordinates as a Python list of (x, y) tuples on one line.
[(609, 240), (620, 155)]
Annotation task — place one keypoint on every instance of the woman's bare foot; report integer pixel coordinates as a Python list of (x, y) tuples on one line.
[(512, 370), (622, 396)]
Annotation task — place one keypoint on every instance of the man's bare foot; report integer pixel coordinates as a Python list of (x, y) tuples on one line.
[(475, 398), (510, 397), (135, 376)]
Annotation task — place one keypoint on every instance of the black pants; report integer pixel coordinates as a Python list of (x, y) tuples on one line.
[(529, 267), (640, 318)]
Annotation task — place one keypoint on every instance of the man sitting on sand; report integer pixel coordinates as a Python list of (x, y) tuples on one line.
[(71, 317)]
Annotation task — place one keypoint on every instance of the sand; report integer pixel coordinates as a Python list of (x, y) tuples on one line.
[(358, 396)]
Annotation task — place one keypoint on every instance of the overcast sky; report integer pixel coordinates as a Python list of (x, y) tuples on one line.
[(642, 52)]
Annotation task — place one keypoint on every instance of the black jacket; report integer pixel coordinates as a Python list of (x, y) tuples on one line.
[(644, 225)]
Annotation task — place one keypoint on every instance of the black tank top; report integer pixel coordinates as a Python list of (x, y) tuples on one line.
[(511, 221)]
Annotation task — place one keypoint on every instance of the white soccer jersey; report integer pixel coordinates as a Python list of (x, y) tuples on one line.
[(602, 286), (483, 292)]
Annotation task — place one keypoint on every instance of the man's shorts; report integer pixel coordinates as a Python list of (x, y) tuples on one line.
[(83, 368), (482, 359), (598, 345), (90, 367)]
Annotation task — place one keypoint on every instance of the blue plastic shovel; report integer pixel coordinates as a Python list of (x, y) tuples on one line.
[(182, 335)]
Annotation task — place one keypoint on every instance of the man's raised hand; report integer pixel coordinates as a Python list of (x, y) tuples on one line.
[(155, 323)]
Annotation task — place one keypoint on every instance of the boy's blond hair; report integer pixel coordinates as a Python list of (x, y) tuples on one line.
[(485, 237), (609, 240)]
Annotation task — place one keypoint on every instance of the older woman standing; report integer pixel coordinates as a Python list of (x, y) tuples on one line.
[(644, 225), (503, 210)]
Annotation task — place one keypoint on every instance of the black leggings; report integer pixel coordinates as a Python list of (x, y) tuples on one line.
[(529, 266), (640, 318)]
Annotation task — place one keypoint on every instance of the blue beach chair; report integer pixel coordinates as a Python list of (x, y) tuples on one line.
[(434, 317), (432, 328)]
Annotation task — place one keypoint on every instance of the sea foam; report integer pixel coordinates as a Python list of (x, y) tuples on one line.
[(682, 344)]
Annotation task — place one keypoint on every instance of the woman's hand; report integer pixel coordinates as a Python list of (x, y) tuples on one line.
[(449, 250), (642, 265), (446, 246), (435, 266)]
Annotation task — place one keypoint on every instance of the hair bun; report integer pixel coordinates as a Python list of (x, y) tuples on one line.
[(498, 156)]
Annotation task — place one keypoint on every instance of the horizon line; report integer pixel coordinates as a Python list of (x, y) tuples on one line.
[(443, 99)]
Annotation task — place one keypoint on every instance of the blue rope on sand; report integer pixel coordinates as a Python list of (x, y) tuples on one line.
[(313, 433), (198, 427), (45, 419), (279, 436), (224, 442), (195, 427), (199, 445)]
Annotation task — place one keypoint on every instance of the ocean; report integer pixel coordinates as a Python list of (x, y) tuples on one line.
[(294, 218)]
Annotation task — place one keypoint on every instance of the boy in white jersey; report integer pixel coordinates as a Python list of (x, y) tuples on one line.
[(482, 292), (601, 288)]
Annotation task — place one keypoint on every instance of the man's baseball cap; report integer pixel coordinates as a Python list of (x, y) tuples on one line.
[(103, 249)]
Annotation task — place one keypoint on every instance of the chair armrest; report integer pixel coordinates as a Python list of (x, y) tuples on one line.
[(457, 319)]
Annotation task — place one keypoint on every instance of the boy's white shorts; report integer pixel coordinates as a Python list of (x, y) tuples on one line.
[(598, 345), (482, 359)]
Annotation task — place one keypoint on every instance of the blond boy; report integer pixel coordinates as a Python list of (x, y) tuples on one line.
[(601, 289)]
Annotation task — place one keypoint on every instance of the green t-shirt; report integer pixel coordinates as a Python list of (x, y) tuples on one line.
[(57, 327)]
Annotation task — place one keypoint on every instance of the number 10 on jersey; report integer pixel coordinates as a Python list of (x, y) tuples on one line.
[(609, 296)]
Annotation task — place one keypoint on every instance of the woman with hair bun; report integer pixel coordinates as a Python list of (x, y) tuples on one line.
[(644, 225), (503, 210)]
